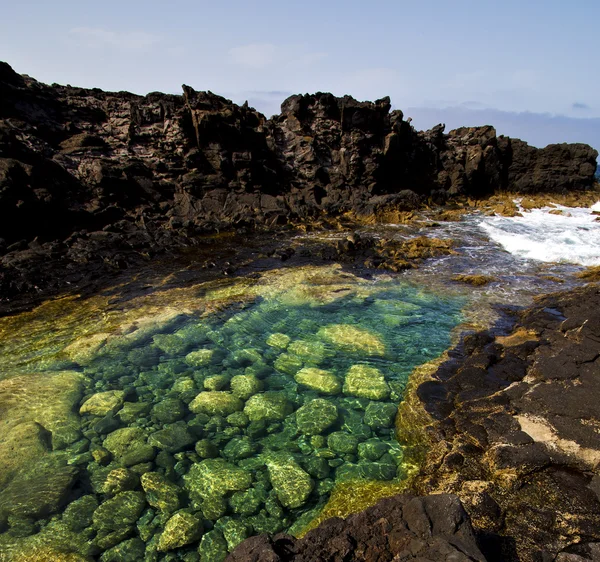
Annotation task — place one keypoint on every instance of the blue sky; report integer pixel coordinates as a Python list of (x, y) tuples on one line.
[(527, 67)]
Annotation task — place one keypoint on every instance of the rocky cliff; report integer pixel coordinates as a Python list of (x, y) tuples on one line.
[(92, 178)]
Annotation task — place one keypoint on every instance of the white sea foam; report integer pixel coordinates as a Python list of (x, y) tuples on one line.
[(571, 237)]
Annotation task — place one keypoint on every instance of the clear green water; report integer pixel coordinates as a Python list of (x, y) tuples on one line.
[(240, 422)]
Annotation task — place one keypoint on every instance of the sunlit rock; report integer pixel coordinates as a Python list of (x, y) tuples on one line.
[(288, 364), (219, 403), (312, 352), (366, 382), (279, 341), (244, 386), (319, 380), (103, 403), (115, 513), (129, 446), (215, 477), (199, 358), (269, 406), (342, 442), (352, 339), (316, 416), (291, 483), (181, 529), (120, 480)]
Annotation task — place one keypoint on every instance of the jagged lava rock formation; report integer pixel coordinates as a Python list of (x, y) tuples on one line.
[(92, 180)]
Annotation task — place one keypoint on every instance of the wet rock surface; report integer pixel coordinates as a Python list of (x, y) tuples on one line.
[(93, 182), (515, 434), (398, 528)]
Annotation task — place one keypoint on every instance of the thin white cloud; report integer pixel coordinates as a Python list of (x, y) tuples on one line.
[(265, 55), (256, 55), (95, 37)]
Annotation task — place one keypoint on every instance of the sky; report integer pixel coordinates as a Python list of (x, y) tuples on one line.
[(528, 67)]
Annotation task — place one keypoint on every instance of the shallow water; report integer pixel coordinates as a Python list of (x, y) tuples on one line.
[(171, 426), (246, 415)]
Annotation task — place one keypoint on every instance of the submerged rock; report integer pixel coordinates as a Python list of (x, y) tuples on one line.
[(291, 483), (160, 492), (122, 510), (366, 382), (279, 341), (219, 403), (215, 477), (199, 358), (319, 380), (268, 406), (244, 386), (316, 416), (129, 446), (103, 403), (352, 339), (181, 529)]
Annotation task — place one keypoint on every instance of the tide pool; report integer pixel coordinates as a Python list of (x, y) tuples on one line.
[(174, 425)]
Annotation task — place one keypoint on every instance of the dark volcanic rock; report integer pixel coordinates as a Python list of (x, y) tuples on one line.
[(93, 181), (397, 528), (516, 436)]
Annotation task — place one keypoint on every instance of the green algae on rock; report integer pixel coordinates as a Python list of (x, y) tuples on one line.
[(243, 407)]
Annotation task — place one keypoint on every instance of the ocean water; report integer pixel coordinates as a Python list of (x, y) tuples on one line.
[(573, 236), (175, 428)]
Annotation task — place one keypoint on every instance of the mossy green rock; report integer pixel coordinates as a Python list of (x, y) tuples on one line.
[(352, 339), (372, 449), (248, 502), (322, 381), (238, 419), (206, 449), (216, 382), (291, 482), (288, 364), (78, 514), (364, 381), (213, 507), (128, 446), (216, 477), (120, 511), (279, 341), (171, 344), (200, 358), (316, 416), (380, 415), (246, 357), (218, 403), (244, 386), (173, 438), (160, 492), (181, 529), (130, 550), (234, 531), (169, 410), (239, 448), (312, 352), (103, 403), (132, 411), (213, 547), (342, 442), (268, 406), (120, 480)]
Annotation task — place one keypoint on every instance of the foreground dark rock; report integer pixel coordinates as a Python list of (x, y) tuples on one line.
[(516, 432), (92, 182), (403, 527)]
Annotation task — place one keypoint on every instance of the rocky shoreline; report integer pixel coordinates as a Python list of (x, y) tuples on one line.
[(96, 185), (95, 182)]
